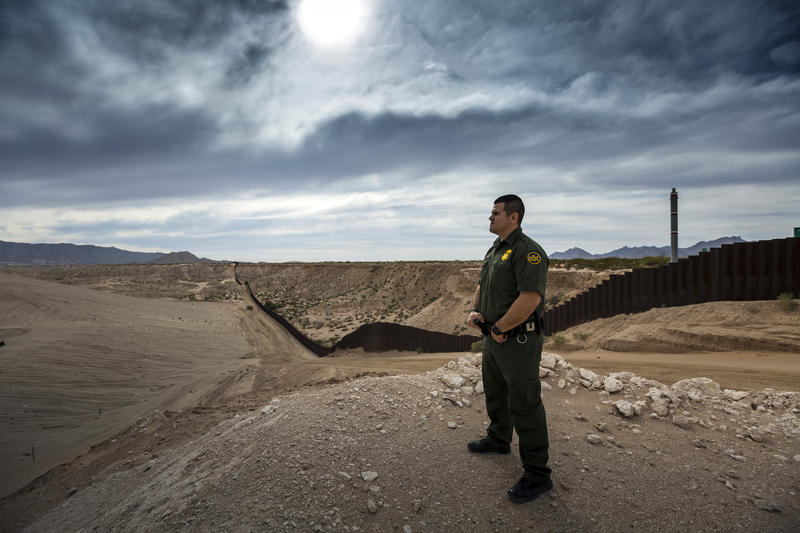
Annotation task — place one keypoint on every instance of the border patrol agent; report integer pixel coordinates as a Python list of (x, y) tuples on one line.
[(507, 307)]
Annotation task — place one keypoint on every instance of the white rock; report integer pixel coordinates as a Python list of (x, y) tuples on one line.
[(434, 393), (695, 387), (796, 458), (544, 372), (623, 376), (452, 425), (546, 386), (345, 475), (467, 390), (479, 388), (372, 506), (587, 374), (548, 361), (624, 407), (612, 384), (654, 393), (469, 372), (660, 407), (593, 439), (454, 381), (369, 476), (735, 395), (268, 409), (471, 359), (562, 383), (407, 529)]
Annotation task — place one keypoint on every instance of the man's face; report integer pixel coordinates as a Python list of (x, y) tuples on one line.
[(499, 222)]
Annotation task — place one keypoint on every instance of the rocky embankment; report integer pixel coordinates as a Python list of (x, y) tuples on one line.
[(389, 454)]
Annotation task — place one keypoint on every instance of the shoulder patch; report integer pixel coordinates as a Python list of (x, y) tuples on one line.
[(534, 258)]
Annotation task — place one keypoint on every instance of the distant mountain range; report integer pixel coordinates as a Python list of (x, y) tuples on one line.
[(18, 253), (637, 252)]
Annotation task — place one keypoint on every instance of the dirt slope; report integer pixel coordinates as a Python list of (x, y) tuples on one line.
[(80, 365), (713, 326), (379, 454)]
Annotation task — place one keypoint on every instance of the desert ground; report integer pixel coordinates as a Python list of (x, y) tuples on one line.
[(156, 398)]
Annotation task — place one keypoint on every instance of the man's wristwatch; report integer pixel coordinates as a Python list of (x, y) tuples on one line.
[(496, 330)]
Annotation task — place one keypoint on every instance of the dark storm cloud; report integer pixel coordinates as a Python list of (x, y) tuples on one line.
[(244, 66), (144, 31), (598, 69), (58, 127)]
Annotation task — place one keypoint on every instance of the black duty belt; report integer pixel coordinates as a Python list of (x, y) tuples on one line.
[(533, 325)]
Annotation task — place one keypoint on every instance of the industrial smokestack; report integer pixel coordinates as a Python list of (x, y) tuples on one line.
[(673, 234)]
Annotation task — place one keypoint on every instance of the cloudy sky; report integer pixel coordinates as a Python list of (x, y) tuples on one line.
[(384, 129)]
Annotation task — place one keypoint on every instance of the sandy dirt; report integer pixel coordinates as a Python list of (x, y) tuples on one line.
[(79, 365), (136, 400), (761, 326), (389, 454)]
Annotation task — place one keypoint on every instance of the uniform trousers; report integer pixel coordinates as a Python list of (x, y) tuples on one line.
[(514, 400)]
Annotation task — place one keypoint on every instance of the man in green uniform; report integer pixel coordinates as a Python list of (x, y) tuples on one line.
[(507, 307)]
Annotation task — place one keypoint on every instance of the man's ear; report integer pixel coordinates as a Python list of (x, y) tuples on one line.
[(514, 217)]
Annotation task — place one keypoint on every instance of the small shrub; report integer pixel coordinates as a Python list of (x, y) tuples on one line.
[(418, 350), (786, 301), (476, 347), (580, 336), (557, 340), (751, 308)]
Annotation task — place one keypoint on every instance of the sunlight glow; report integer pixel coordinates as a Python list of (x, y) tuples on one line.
[(329, 23)]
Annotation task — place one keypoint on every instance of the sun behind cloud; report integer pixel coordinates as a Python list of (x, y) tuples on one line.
[(331, 23)]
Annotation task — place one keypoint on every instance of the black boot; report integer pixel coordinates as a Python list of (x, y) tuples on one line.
[(484, 446), (526, 490)]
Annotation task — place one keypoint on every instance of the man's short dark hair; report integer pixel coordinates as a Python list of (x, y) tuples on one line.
[(512, 204)]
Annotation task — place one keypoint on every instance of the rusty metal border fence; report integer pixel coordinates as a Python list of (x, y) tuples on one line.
[(315, 347), (759, 270), (378, 336)]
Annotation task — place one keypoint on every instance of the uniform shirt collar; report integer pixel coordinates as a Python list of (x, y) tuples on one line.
[(511, 239)]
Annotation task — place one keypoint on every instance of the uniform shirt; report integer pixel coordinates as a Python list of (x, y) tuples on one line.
[(512, 265)]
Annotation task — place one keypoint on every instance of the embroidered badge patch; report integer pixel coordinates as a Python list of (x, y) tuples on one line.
[(534, 258), (505, 255)]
